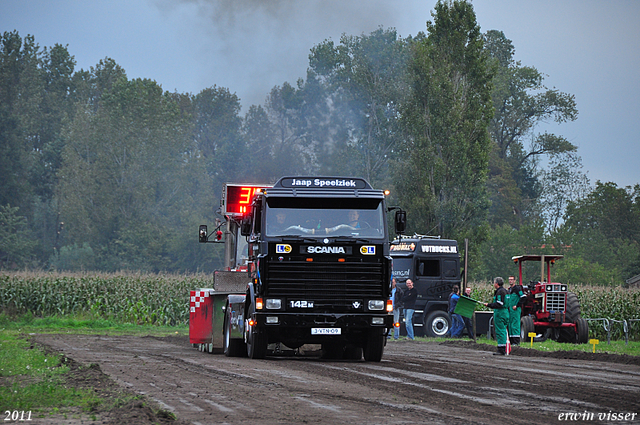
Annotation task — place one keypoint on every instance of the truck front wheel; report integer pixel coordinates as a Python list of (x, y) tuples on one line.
[(256, 341), (436, 324), (374, 347)]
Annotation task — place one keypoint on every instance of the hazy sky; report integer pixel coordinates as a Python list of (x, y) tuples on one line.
[(587, 48)]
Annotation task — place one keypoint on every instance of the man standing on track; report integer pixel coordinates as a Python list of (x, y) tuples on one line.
[(500, 315), (409, 300)]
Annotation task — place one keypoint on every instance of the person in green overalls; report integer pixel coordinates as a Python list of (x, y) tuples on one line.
[(516, 300), (500, 315)]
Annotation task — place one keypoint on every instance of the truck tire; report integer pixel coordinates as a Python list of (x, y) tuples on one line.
[(374, 347), (232, 347), (352, 352), (333, 350), (582, 329), (256, 341), (436, 324)]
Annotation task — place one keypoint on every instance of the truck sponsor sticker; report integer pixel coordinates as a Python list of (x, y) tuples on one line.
[(368, 250), (452, 249), (401, 274), (403, 247), (326, 331), (310, 249), (283, 248), (318, 183)]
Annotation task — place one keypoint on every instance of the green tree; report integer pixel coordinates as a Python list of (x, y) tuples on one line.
[(442, 179), (521, 102), (366, 82), (603, 228), (35, 88), (562, 183), (21, 89), (122, 181), (16, 241)]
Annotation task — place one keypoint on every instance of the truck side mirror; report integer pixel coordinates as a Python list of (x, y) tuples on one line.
[(400, 221), (202, 233), (245, 226)]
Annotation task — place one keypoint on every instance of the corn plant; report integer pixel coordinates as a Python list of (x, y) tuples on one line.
[(125, 297)]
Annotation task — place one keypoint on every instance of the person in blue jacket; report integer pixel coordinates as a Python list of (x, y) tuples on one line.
[(457, 325)]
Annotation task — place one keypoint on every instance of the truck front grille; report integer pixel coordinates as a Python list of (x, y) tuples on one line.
[(555, 301), (328, 284)]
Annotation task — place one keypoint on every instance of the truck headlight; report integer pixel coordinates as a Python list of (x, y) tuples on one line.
[(377, 320), (376, 304), (274, 304)]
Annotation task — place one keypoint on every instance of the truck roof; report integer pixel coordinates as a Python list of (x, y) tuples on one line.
[(424, 245), (324, 187)]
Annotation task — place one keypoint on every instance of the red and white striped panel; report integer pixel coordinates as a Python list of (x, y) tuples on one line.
[(197, 298)]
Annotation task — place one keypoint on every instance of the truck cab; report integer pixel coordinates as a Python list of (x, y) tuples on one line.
[(433, 264)]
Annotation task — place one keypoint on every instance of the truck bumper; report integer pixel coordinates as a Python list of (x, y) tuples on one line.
[(311, 320)]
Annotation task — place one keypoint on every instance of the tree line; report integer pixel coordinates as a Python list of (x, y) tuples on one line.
[(103, 172)]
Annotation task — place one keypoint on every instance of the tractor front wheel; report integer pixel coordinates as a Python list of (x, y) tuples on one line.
[(526, 326)]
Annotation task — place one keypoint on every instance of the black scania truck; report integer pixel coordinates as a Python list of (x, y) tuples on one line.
[(433, 264), (319, 266)]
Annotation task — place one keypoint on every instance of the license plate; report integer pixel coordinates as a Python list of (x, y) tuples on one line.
[(326, 331)]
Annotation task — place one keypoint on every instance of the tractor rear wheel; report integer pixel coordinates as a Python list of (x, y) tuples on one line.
[(572, 311), (582, 329), (571, 315)]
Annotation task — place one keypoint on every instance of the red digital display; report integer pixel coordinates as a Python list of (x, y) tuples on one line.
[(238, 198)]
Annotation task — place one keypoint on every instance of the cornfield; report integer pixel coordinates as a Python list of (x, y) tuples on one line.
[(124, 297), (614, 303), (163, 299)]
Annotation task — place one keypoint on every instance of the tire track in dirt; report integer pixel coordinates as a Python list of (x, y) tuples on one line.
[(422, 382)]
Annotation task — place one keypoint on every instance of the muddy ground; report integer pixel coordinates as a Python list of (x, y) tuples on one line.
[(456, 382)]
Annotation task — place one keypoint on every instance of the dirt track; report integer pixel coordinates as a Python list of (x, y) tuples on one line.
[(416, 382)]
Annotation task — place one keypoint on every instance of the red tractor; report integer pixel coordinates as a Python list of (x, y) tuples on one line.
[(550, 310)]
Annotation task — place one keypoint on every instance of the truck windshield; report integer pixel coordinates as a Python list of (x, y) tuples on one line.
[(324, 217)]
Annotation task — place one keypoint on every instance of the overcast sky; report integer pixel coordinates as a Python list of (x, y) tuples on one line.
[(587, 48)]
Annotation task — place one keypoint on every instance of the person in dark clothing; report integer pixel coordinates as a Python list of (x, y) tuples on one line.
[(409, 301), (500, 315), (517, 299), (457, 325)]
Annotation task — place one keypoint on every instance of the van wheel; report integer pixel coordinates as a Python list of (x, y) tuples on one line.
[(437, 324)]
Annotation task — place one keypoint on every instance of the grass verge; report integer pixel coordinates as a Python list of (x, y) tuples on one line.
[(46, 385), (35, 381), (616, 347), (27, 323)]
